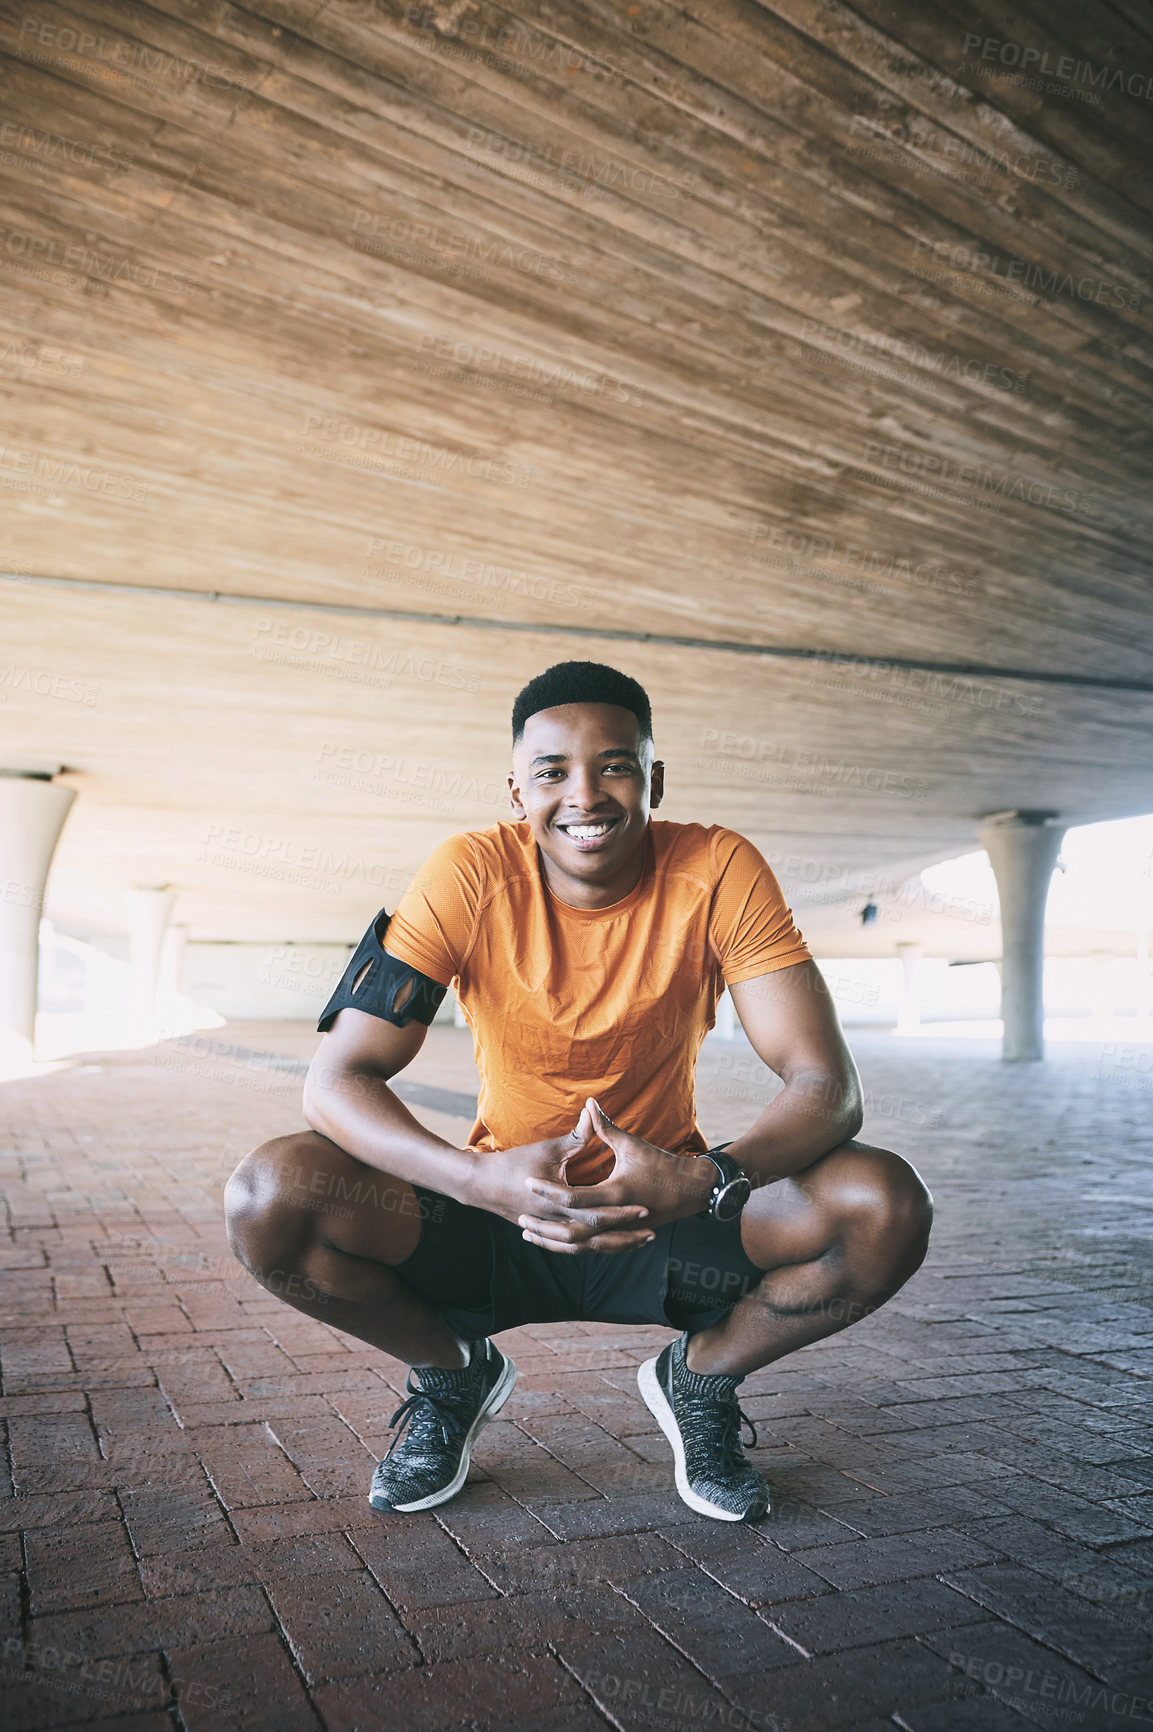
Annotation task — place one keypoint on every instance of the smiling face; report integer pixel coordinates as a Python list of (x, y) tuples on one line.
[(585, 781)]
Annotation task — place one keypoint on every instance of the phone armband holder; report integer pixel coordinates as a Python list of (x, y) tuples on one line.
[(374, 981)]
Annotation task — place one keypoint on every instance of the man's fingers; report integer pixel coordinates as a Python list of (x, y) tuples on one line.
[(586, 1225), (610, 1243), (560, 1196), (578, 1196), (605, 1218), (556, 1232), (600, 1118), (582, 1130)]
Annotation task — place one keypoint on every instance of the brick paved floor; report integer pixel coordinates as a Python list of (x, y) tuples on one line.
[(963, 1533)]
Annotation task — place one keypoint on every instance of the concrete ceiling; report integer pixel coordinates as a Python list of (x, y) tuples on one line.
[(359, 359)]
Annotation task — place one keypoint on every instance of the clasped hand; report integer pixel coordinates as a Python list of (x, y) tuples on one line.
[(647, 1187)]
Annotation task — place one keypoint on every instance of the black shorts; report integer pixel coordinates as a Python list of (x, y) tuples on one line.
[(482, 1276)]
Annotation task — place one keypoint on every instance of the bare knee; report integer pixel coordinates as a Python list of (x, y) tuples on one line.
[(267, 1224), (884, 1209), (297, 1197)]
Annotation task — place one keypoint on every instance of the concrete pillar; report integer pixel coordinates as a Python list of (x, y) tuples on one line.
[(168, 981), (909, 1014), (1022, 849), (148, 910), (32, 812)]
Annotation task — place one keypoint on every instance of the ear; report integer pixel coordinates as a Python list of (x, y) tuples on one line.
[(657, 782), (514, 798)]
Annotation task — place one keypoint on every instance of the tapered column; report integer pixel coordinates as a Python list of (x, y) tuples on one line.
[(32, 812), (148, 911), (1022, 849), (909, 1015)]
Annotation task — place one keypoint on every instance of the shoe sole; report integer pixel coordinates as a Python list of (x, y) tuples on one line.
[(501, 1390), (657, 1403)]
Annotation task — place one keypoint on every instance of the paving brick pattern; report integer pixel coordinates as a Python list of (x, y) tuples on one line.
[(963, 1528)]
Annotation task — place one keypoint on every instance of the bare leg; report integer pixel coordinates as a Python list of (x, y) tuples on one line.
[(322, 1230), (836, 1240)]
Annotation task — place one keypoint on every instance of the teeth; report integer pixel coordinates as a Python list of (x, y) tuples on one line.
[(585, 832)]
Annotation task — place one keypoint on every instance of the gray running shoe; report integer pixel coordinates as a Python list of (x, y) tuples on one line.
[(701, 1419), (427, 1461)]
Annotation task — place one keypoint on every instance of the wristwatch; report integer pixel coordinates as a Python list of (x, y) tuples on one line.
[(732, 1190)]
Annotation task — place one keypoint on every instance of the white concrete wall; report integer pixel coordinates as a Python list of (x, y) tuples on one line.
[(275, 981), (280, 982)]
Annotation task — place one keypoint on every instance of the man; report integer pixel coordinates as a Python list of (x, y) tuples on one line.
[(589, 944)]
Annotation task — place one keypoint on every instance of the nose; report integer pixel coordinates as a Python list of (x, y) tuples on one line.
[(583, 790)]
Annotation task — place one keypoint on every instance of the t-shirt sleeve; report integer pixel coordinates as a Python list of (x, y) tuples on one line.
[(435, 920), (751, 925)]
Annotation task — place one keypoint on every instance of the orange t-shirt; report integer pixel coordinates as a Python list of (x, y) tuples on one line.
[(614, 1002)]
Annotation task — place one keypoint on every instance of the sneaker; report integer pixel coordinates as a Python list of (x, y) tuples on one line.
[(701, 1419), (427, 1461)]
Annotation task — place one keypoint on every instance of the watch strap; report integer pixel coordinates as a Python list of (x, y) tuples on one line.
[(727, 1171), (726, 1167)]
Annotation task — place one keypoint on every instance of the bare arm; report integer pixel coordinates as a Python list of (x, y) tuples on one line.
[(347, 1098), (792, 1024)]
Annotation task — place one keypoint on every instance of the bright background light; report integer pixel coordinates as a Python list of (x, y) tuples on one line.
[(1107, 882), (1098, 980)]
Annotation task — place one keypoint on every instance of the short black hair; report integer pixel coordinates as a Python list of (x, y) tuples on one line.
[(582, 683)]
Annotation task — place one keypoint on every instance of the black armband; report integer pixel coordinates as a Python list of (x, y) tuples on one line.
[(373, 981)]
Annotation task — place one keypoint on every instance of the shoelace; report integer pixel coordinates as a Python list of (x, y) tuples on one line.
[(430, 1412), (730, 1442)]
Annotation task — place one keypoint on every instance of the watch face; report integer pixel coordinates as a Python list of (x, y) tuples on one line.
[(731, 1199)]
